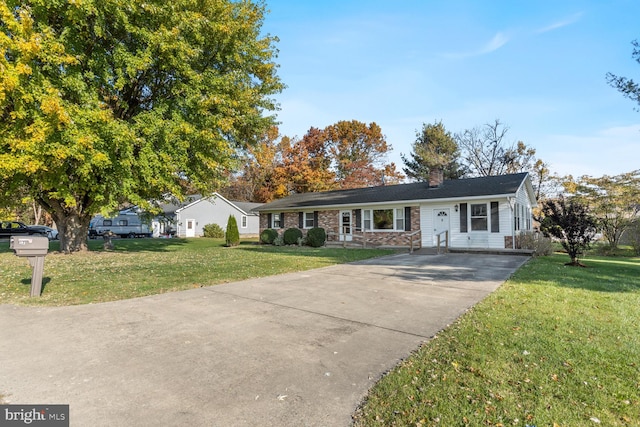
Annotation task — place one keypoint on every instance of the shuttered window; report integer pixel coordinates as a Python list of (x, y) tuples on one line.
[(407, 219), (463, 218), (495, 217)]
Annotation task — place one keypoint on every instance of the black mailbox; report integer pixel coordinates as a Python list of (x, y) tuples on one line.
[(35, 248)]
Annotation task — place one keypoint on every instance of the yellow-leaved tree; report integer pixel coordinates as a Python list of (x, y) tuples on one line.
[(104, 102)]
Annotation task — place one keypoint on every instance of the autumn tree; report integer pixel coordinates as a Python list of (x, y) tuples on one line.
[(347, 154), (434, 148), (359, 154), (306, 164), (113, 101), (614, 200), (571, 222), (629, 88), (258, 179)]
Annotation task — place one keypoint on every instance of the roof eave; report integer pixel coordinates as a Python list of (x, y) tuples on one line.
[(388, 203)]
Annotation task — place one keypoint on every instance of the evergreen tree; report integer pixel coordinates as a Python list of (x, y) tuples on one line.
[(434, 148), (232, 235)]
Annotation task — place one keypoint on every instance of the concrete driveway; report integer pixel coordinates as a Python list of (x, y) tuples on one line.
[(298, 349)]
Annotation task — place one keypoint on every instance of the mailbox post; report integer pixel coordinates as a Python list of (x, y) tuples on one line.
[(35, 248)]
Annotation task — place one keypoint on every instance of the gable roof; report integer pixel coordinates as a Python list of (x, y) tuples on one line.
[(244, 207), (502, 185), (172, 206)]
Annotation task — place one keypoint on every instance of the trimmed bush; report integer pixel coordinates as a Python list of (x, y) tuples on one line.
[(268, 236), (291, 236), (232, 236), (213, 231), (316, 237)]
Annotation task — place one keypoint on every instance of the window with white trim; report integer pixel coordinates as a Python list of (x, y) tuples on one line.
[(244, 221), (275, 220), (399, 219), (309, 221), (383, 219), (366, 220), (479, 217)]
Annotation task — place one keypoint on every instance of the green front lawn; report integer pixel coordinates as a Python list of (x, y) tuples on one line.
[(554, 346), (141, 267)]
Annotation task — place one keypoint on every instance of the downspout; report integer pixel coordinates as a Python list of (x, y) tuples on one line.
[(512, 205)]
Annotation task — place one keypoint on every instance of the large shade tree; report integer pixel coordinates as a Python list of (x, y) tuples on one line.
[(110, 101), (347, 154), (306, 164), (258, 179), (486, 151), (359, 154)]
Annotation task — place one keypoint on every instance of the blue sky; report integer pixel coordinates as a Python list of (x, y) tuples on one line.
[(537, 66)]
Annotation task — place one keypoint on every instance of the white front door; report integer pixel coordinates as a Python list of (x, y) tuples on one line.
[(345, 226), (191, 228), (440, 224)]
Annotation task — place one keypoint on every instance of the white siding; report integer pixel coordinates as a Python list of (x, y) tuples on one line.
[(523, 200), (427, 225), (472, 238)]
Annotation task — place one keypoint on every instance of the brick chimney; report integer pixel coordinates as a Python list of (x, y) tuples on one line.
[(436, 178)]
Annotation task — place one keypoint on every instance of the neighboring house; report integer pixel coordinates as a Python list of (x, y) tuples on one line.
[(487, 212), (187, 219)]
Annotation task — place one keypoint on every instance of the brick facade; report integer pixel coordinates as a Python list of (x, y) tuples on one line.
[(330, 221)]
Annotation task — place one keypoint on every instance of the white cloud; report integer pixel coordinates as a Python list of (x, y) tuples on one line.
[(559, 24), (499, 40), (495, 43)]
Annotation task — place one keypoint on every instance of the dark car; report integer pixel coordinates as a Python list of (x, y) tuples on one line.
[(51, 233), (17, 228)]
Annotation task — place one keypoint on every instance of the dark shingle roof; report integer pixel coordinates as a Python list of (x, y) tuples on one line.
[(456, 188), (247, 207)]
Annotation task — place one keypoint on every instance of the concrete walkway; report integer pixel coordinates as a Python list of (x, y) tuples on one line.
[(298, 349)]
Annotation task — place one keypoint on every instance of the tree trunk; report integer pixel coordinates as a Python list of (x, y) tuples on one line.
[(73, 232), (37, 212), (72, 222)]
